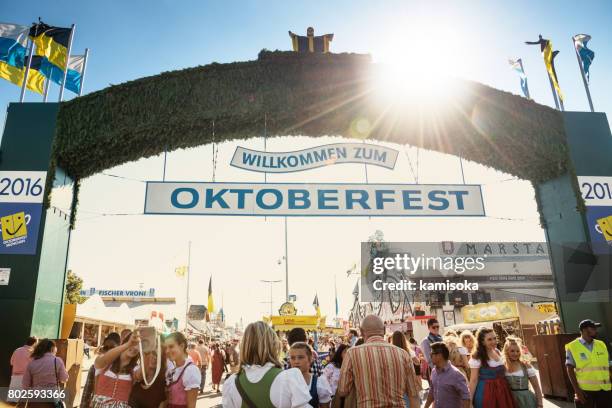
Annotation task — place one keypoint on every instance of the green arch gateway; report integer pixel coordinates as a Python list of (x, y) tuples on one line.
[(296, 94), (303, 94)]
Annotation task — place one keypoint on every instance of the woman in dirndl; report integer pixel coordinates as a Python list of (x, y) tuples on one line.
[(488, 385), (114, 374), (519, 373), (183, 377)]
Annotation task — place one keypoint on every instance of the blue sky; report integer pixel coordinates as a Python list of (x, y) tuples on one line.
[(133, 39)]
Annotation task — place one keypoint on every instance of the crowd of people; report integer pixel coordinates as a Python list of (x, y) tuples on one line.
[(367, 369), (122, 377)]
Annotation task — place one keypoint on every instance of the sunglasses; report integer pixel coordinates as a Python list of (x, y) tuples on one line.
[(435, 327)]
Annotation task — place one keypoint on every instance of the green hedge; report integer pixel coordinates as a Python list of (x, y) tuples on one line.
[(300, 94)]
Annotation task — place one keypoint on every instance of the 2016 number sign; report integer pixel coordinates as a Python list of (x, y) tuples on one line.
[(596, 191), (22, 186)]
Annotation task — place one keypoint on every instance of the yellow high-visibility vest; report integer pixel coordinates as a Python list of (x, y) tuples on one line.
[(592, 370)]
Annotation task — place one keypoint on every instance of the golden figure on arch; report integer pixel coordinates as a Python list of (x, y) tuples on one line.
[(310, 43)]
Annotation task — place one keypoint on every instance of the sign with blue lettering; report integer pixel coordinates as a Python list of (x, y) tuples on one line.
[(337, 153), (302, 199)]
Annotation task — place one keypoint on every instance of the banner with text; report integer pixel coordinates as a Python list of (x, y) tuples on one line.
[(287, 162), (597, 194), (322, 199), (21, 199)]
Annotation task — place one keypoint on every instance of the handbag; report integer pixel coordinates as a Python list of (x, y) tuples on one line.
[(59, 403)]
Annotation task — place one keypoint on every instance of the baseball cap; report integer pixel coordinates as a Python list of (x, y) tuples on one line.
[(588, 323)]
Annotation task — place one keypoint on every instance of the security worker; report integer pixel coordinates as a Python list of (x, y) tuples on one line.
[(588, 368)]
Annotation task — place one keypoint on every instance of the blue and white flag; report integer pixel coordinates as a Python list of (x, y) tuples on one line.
[(517, 66), (74, 77), (586, 55), (13, 43)]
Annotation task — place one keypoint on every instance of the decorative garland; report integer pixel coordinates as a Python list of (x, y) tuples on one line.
[(303, 94)]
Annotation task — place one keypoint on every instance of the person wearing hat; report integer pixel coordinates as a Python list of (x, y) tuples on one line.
[(588, 367)]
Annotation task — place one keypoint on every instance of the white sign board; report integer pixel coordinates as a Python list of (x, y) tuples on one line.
[(5, 275), (301, 199), (596, 190), (22, 186), (287, 162)]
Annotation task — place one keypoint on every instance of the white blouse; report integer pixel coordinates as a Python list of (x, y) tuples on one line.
[(323, 389), (191, 379), (474, 363), (531, 372), (332, 373), (288, 390)]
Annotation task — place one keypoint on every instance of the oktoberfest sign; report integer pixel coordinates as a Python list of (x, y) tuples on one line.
[(324, 199), (287, 162)]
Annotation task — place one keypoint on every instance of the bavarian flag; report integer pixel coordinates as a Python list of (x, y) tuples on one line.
[(36, 80), (211, 302), (73, 76), (549, 60), (51, 43), (13, 43), (584, 53)]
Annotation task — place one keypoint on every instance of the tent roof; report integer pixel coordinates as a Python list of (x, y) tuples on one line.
[(95, 309), (529, 315)]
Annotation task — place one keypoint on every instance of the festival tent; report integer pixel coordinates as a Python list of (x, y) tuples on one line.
[(94, 310), (94, 320), (510, 317), (286, 323)]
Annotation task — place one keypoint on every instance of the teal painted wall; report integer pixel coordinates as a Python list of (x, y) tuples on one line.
[(48, 304), (31, 304), (590, 143)]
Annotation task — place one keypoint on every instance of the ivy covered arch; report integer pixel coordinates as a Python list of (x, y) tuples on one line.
[(302, 94)]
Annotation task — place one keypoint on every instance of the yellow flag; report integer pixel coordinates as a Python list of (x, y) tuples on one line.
[(550, 67), (181, 271), (211, 302), (36, 80)]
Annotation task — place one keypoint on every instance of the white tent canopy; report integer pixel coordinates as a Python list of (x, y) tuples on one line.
[(93, 309)]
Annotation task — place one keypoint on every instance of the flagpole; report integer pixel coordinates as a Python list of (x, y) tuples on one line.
[(188, 278), (27, 71), (47, 86), (286, 264), (552, 88), (336, 295), (84, 69), (584, 81), (63, 84), (524, 73)]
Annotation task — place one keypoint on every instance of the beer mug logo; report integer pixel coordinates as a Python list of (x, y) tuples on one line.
[(605, 227), (15, 226)]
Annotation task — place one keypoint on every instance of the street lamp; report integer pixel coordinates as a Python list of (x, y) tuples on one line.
[(279, 262), (271, 282)]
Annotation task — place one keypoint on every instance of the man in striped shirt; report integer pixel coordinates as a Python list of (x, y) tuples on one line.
[(378, 371)]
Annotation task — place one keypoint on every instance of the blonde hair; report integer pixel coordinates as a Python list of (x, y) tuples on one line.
[(259, 345), (514, 341), (467, 334), (450, 333)]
